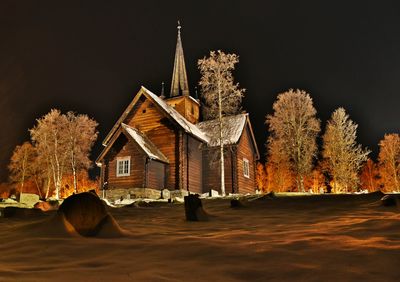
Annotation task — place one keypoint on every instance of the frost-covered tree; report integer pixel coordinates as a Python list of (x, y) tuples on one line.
[(343, 157), (220, 95), (81, 135), (22, 164), (389, 162), (294, 128), (48, 136)]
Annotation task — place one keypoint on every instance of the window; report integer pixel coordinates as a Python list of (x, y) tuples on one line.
[(123, 166), (246, 168)]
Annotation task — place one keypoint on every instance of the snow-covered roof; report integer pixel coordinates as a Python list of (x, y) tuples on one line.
[(147, 146), (232, 128), (184, 123)]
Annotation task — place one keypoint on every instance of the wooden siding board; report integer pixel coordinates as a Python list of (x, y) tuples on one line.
[(246, 150), (211, 173), (156, 172), (161, 132), (124, 147)]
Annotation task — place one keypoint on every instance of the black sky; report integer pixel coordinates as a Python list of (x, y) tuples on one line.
[(92, 57)]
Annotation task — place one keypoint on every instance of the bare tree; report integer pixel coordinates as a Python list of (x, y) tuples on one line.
[(22, 165), (261, 177), (369, 176), (220, 95), (343, 157), (389, 161), (295, 127), (81, 135), (48, 136), (279, 174)]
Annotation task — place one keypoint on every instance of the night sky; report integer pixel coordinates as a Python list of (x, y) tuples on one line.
[(92, 57)]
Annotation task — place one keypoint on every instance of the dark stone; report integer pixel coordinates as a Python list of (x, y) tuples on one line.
[(389, 200), (46, 206), (238, 203), (85, 212), (194, 208)]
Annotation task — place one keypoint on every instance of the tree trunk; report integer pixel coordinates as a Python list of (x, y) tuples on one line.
[(221, 144)]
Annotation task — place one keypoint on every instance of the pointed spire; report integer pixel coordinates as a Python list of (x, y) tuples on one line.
[(179, 83), (162, 96)]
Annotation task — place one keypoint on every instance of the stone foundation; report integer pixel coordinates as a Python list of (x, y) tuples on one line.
[(137, 193)]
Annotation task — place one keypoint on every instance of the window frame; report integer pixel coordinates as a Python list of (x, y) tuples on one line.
[(125, 162), (246, 168)]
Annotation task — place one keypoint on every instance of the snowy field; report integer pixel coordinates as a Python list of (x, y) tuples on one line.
[(312, 238)]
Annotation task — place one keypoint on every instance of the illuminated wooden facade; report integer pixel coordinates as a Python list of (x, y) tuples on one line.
[(159, 143)]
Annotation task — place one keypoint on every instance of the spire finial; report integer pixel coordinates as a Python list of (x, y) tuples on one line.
[(162, 96), (179, 85)]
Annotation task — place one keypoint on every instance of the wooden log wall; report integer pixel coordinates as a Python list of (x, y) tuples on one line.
[(246, 150), (160, 130), (211, 171), (123, 148)]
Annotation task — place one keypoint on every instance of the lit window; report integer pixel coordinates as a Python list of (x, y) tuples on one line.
[(246, 168), (123, 166)]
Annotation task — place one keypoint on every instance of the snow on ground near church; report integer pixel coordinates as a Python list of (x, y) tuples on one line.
[(310, 238)]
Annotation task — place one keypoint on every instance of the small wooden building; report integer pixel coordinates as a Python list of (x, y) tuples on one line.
[(160, 143)]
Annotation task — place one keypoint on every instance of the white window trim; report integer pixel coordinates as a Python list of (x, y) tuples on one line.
[(246, 171), (121, 161)]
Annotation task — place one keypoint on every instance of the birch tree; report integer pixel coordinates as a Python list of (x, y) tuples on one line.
[(389, 162), (220, 95), (343, 157), (22, 164), (81, 134), (48, 136), (294, 126)]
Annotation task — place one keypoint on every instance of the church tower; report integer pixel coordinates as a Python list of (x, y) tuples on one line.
[(180, 97)]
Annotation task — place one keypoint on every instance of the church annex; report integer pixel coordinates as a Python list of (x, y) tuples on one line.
[(160, 143)]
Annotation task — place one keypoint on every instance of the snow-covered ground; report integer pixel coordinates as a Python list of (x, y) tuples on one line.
[(305, 238)]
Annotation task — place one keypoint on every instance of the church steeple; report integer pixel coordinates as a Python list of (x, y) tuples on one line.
[(179, 85)]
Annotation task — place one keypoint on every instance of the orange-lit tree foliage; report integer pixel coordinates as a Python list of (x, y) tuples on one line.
[(389, 162), (61, 148), (261, 177), (315, 181), (280, 178), (369, 176), (22, 164), (82, 180)]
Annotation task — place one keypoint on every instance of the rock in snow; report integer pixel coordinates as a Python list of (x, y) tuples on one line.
[(87, 214)]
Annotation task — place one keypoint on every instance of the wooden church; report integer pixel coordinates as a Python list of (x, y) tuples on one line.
[(160, 143)]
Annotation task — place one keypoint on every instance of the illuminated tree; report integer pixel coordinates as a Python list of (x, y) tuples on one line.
[(22, 164), (81, 134), (261, 177), (343, 157), (369, 176), (48, 136), (220, 95), (316, 181), (279, 175), (389, 162), (294, 127)]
